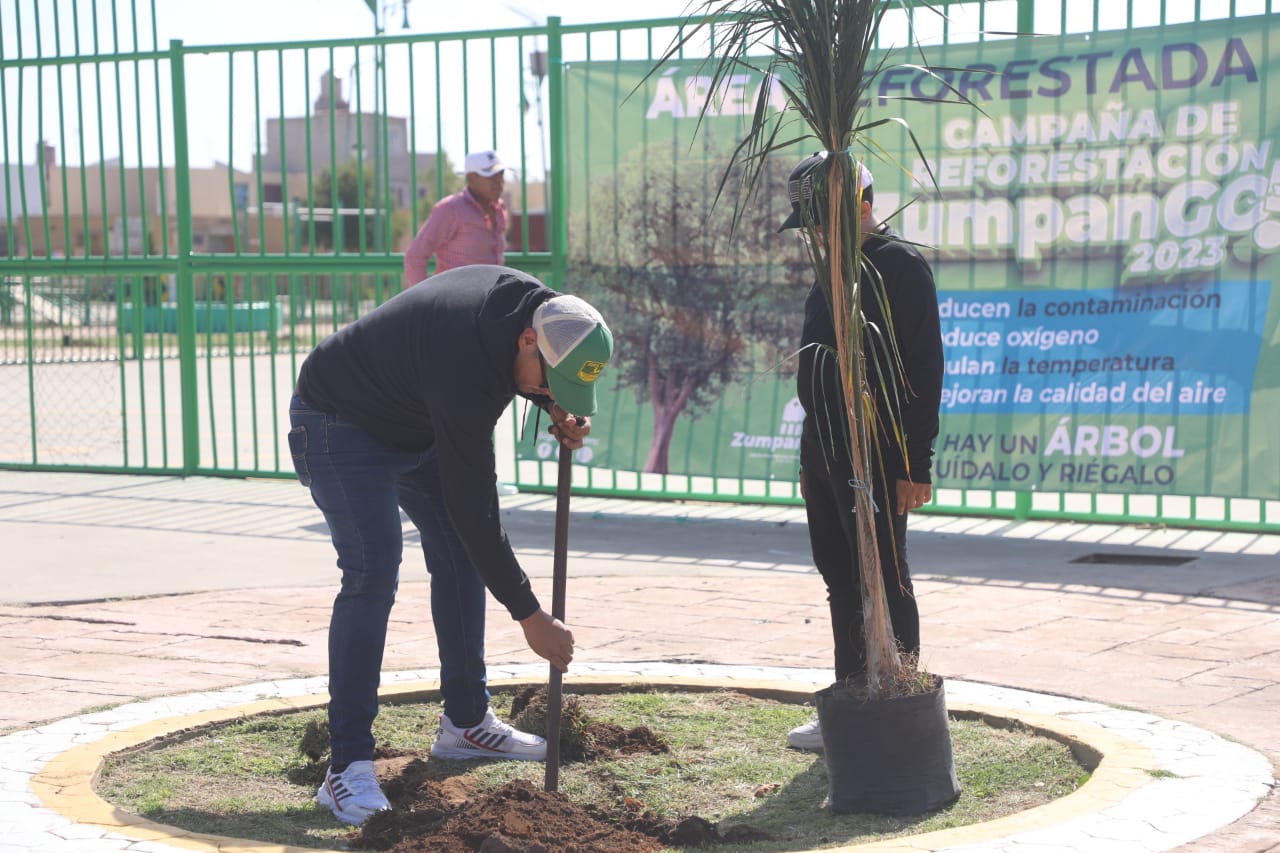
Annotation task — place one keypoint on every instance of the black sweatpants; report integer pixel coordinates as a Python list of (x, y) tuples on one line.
[(833, 535)]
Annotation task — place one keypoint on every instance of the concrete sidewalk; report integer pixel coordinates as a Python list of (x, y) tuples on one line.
[(121, 588)]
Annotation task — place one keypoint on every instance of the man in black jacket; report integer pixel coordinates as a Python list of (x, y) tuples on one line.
[(826, 472), (397, 411)]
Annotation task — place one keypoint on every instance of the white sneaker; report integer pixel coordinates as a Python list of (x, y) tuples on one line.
[(807, 737), (490, 738), (353, 794)]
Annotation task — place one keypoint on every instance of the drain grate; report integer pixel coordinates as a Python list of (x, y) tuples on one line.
[(1105, 558)]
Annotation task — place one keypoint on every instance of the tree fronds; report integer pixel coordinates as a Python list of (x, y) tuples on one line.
[(821, 53)]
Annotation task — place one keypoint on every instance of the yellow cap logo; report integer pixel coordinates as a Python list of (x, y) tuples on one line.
[(590, 370)]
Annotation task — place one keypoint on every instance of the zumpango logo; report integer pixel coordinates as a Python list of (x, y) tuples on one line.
[(785, 443)]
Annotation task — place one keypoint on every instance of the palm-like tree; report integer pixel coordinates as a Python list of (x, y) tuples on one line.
[(820, 51)]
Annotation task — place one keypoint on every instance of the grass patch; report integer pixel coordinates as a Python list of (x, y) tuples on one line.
[(728, 763)]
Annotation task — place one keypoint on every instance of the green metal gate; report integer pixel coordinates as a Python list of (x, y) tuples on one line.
[(154, 306)]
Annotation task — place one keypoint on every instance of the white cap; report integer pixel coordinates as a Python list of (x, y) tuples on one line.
[(485, 163)]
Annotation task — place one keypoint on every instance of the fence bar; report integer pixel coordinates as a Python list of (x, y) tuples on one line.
[(186, 289), (558, 224)]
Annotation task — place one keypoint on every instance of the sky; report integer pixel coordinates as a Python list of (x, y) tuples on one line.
[(230, 21), (221, 113), (230, 100), (240, 21)]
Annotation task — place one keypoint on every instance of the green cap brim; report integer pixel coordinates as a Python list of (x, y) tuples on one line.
[(573, 381)]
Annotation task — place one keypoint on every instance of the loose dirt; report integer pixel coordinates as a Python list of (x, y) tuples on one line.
[(438, 813)]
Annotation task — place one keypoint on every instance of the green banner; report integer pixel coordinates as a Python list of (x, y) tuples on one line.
[(1104, 232)]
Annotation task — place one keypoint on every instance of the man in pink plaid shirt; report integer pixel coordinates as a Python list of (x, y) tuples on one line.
[(468, 227)]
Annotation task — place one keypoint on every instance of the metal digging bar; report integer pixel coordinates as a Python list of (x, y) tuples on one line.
[(559, 577)]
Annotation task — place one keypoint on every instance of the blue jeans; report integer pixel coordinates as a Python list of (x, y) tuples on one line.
[(361, 484)]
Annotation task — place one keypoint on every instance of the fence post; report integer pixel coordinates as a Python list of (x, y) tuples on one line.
[(185, 282), (29, 352), (1026, 30), (559, 201), (1026, 18)]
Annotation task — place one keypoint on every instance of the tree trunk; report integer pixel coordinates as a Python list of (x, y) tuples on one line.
[(669, 399), (658, 460)]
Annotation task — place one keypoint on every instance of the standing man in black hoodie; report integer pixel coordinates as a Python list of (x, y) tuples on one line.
[(826, 468), (397, 411)]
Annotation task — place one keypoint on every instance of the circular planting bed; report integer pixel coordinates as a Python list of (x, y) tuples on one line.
[(643, 767)]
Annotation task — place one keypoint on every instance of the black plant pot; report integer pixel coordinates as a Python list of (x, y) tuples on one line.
[(886, 756)]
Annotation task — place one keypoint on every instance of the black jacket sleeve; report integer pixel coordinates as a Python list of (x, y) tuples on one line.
[(468, 475), (916, 326)]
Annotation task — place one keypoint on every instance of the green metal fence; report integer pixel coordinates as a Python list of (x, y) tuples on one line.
[(155, 302), (180, 224)]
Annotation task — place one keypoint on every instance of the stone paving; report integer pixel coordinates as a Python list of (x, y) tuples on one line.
[(225, 583)]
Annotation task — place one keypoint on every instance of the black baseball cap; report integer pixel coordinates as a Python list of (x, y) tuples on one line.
[(807, 184)]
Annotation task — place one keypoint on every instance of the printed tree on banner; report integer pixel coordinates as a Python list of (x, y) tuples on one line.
[(693, 305)]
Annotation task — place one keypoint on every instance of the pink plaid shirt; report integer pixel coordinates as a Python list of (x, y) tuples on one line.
[(458, 232)]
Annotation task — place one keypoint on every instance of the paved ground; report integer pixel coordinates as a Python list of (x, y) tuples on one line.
[(125, 588)]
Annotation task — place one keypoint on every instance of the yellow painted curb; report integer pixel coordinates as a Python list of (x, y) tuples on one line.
[(65, 784)]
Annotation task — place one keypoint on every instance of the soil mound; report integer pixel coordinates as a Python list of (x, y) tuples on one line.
[(434, 812), (582, 738), (515, 818)]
